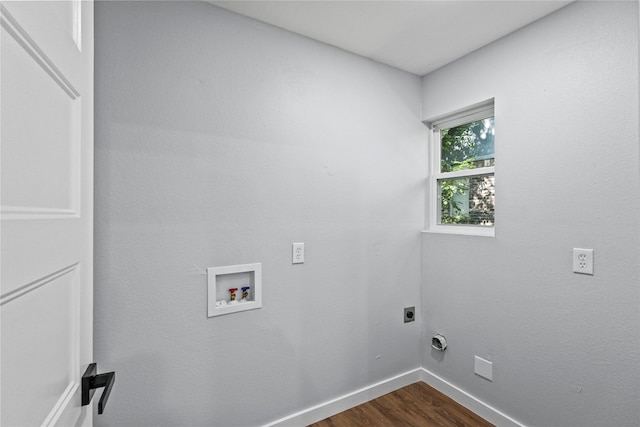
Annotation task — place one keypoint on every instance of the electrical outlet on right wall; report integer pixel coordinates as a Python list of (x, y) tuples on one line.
[(583, 261)]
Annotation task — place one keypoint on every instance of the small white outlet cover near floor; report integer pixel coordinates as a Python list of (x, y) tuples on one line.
[(484, 368)]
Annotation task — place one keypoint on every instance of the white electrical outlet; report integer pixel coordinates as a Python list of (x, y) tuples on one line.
[(297, 254), (583, 261)]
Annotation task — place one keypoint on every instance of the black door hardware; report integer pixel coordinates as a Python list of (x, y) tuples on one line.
[(91, 381)]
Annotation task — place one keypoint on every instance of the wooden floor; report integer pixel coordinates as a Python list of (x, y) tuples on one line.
[(417, 405)]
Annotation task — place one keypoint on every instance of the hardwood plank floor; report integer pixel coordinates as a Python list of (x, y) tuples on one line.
[(417, 405)]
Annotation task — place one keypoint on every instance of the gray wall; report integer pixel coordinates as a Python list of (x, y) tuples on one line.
[(220, 141), (565, 347)]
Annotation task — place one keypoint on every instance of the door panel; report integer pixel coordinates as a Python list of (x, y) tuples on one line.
[(46, 198), (40, 143), (43, 321)]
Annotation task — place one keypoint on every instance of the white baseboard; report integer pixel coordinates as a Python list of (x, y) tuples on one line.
[(348, 401), (358, 397), (468, 401)]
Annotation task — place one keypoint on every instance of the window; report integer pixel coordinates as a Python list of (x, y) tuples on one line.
[(462, 192)]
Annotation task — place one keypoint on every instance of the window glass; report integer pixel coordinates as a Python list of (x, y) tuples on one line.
[(467, 200), (467, 146)]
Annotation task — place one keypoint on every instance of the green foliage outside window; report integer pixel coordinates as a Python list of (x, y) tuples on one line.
[(468, 146)]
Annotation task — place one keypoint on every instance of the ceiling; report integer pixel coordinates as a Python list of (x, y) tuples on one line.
[(416, 36)]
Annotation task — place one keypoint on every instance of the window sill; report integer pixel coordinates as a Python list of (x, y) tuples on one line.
[(462, 230)]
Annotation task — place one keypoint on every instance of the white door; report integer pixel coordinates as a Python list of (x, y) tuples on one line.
[(46, 198)]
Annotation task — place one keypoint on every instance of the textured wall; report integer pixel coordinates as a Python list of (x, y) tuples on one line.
[(220, 141), (565, 347)]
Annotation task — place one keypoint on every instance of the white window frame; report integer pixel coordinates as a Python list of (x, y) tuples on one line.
[(475, 112)]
